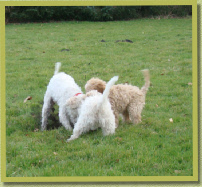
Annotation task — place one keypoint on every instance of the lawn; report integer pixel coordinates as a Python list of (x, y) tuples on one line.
[(155, 147)]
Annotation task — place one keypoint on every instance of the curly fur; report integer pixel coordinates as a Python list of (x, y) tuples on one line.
[(73, 104), (125, 99), (60, 88), (91, 111)]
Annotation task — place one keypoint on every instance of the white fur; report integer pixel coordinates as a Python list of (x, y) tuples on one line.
[(92, 111), (60, 88), (125, 99)]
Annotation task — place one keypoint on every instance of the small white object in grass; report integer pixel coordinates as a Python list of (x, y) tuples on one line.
[(28, 98), (171, 120), (36, 130), (177, 171), (54, 153)]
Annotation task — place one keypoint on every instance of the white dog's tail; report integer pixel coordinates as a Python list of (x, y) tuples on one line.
[(108, 87), (57, 67), (147, 81)]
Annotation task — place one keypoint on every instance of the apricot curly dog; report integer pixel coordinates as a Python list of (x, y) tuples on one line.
[(125, 99)]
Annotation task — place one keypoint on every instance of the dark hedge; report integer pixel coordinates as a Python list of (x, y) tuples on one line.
[(91, 13)]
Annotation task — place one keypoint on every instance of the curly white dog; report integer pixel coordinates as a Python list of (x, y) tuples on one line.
[(60, 88), (92, 111)]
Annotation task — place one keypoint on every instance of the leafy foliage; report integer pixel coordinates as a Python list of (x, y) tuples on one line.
[(90, 13)]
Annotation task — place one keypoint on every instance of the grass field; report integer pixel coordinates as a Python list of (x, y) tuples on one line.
[(155, 147)]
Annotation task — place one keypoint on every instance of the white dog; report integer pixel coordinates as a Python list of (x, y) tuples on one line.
[(60, 88), (92, 111), (127, 100)]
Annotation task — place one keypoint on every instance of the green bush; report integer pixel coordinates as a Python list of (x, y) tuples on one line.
[(90, 13), (126, 12), (179, 11)]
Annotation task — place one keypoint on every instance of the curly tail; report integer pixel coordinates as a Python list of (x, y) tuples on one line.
[(57, 67), (147, 81), (108, 87)]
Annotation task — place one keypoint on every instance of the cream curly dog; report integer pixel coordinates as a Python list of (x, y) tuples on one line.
[(125, 99), (91, 111), (60, 88)]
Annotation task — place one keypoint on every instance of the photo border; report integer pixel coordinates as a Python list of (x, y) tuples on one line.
[(100, 178)]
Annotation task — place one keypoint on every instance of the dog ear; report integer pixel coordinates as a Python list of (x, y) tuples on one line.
[(88, 94), (75, 102), (70, 101), (83, 97), (92, 93), (100, 88)]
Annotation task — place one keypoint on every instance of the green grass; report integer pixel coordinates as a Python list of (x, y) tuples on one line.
[(155, 147)]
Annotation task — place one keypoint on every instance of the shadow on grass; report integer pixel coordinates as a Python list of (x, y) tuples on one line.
[(53, 119)]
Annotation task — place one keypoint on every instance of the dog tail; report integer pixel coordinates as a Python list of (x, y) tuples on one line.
[(57, 67), (147, 81), (108, 87)]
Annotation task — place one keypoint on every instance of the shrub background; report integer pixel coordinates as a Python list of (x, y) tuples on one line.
[(91, 13)]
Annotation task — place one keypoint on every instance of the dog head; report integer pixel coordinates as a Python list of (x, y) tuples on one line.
[(75, 101), (92, 93), (95, 84)]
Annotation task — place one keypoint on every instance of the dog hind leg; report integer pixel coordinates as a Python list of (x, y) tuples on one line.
[(47, 106), (78, 130), (116, 114), (108, 127), (135, 111)]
